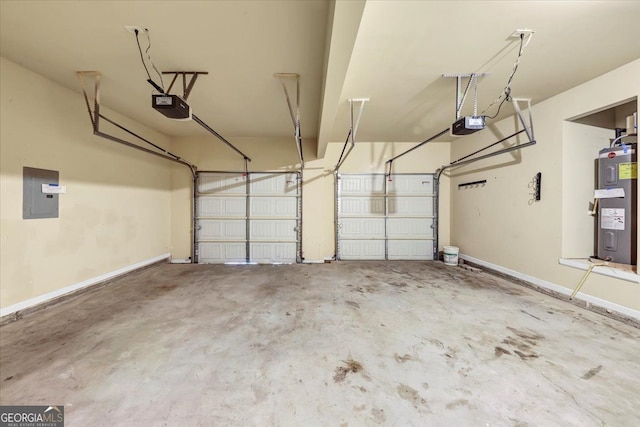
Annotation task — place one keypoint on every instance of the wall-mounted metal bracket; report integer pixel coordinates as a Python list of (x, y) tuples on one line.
[(473, 184), (389, 164), (186, 88), (536, 186), (353, 130), (295, 118), (528, 128)]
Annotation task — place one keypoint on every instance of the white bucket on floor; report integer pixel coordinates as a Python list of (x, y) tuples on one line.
[(451, 255)]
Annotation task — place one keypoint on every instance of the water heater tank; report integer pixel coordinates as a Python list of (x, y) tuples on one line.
[(618, 216)]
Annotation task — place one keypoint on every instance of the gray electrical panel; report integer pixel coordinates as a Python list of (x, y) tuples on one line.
[(618, 216), (36, 203)]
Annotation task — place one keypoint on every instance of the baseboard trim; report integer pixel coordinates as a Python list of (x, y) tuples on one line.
[(41, 301), (607, 306)]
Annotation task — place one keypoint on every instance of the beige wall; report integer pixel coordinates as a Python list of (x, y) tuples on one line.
[(123, 206), (318, 188), (497, 224), (117, 208)]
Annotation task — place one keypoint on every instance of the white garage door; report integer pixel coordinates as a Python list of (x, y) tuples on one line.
[(248, 219), (380, 219)]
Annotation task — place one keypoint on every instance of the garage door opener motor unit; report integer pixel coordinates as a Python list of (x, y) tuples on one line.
[(466, 125), (171, 106)]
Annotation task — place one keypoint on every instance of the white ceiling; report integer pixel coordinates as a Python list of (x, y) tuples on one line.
[(393, 52), (240, 43)]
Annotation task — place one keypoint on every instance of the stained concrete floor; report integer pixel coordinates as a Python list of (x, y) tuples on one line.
[(341, 344)]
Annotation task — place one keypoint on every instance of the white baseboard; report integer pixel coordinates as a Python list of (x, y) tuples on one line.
[(84, 284), (556, 288)]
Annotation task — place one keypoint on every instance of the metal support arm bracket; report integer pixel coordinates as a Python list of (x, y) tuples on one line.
[(528, 128), (95, 116), (186, 88), (353, 130), (295, 118), (461, 97)]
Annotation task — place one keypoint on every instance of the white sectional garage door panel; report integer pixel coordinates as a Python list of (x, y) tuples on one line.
[(410, 217), (361, 217), (273, 218), (253, 218), (407, 228), (221, 252), (381, 219), (221, 211)]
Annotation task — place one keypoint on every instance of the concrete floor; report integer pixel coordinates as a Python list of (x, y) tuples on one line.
[(341, 344)]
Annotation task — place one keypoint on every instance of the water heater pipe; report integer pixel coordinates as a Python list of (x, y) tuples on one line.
[(584, 278)]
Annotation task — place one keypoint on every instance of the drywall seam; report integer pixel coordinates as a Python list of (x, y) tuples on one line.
[(42, 299), (626, 311)]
